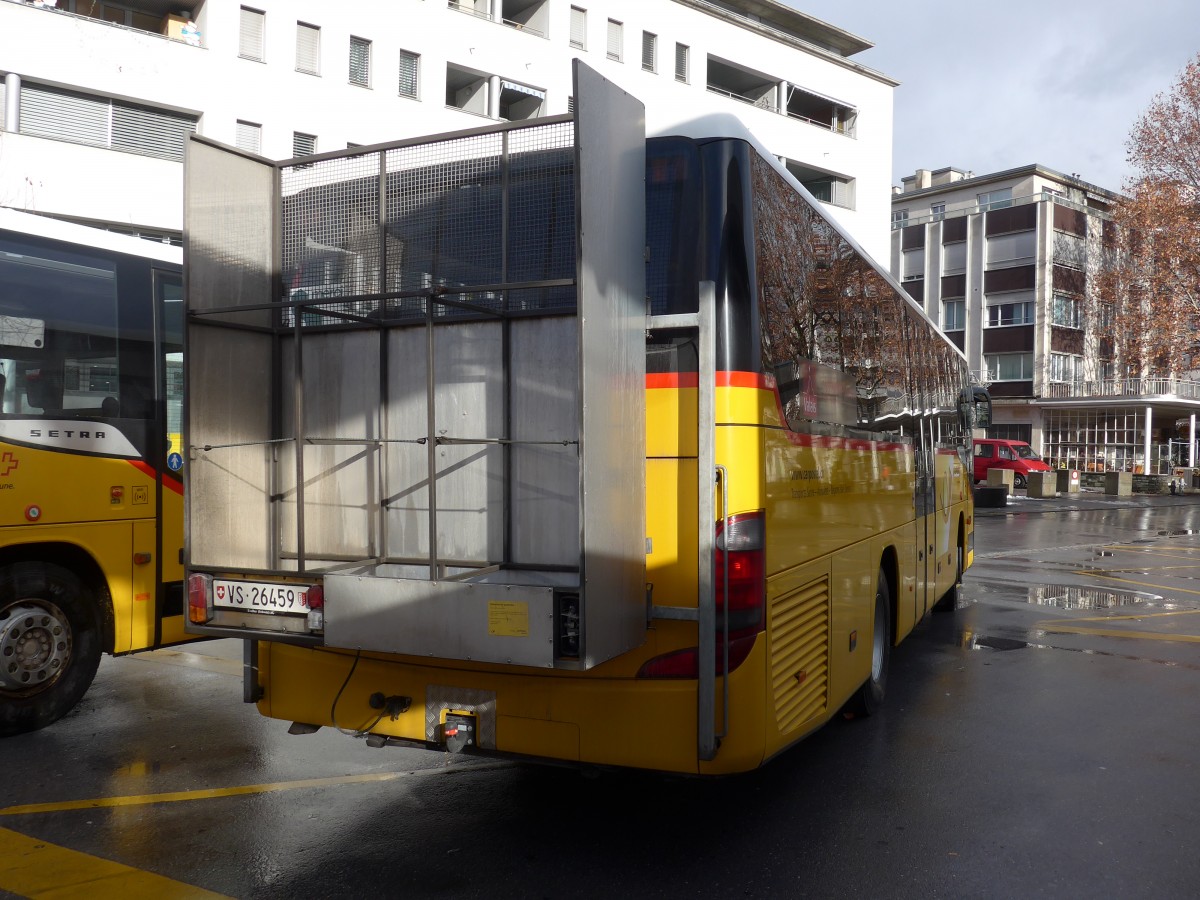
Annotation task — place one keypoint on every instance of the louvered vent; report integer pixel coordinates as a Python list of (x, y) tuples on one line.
[(800, 654)]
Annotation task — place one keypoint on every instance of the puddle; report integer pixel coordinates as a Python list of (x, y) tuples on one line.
[(1065, 597), (984, 642)]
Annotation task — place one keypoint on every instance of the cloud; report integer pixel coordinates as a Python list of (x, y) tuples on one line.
[(1056, 83)]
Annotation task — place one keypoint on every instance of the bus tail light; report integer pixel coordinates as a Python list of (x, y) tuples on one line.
[(740, 557), (315, 599), (199, 598)]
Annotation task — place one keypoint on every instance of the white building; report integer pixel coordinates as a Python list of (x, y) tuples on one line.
[(97, 95), (1007, 264)]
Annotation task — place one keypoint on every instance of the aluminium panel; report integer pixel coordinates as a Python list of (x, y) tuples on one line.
[(544, 386), (610, 173), (497, 623), (229, 261), (229, 487), (339, 404)]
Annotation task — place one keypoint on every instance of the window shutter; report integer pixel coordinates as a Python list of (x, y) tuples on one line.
[(150, 132), (578, 27), (614, 40), (649, 48), (409, 64), (681, 62), (64, 116), (303, 144), (360, 62), (250, 34), (308, 49), (248, 137)]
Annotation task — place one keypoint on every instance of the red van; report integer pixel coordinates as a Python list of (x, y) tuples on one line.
[(1000, 454)]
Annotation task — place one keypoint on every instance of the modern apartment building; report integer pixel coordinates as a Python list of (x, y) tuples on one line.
[(98, 96), (1007, 264)]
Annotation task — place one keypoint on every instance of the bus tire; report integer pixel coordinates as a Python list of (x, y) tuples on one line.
[(868, 698), (949, 600), (49, 645)]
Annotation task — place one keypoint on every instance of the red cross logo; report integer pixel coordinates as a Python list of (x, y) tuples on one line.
[(8, 462)]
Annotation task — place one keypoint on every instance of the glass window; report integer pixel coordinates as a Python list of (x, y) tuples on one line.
[(1009, 366), (1007, 249), (616, 37), (954, 257), (938, 211), (1012, 308), (954, 315), (899, 218), (308, 49), (997, 199), (64, 354), (649, 51), (578, 28), (984, 450), (1066, 367), (250, 34), (681, 62), (303, 144), (248, 136), (914, 263), (409, 70), (360, 62), (1067, 311)]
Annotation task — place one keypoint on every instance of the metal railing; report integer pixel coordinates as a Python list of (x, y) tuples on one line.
[(1184, 389), (972, 207), (765, 103)]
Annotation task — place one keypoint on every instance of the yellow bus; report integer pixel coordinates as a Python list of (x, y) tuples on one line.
[(91, 509), (578, 446)]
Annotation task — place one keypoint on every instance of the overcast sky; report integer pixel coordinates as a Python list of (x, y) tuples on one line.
[(990, 86)]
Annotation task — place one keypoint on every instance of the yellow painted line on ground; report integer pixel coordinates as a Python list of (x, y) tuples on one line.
[(1150, 584), (1069, 626), (44, 871), (209, 794)]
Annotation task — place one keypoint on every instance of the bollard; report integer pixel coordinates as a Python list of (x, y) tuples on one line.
[(1042, 485), (1118, 484), (1001, 478)]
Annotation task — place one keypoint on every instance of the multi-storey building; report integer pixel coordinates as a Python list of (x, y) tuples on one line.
[(1007, 264), (98, 95)]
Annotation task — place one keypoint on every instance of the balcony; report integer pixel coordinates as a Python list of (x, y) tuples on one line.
[(529, 16), (972, 206), (1181, 388), (149, 16), (764, 92)]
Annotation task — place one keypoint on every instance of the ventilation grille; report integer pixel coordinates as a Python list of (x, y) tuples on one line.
[(800, 654)]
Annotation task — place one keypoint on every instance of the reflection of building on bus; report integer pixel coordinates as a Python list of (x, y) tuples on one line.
[(514, 503), (91, 528)]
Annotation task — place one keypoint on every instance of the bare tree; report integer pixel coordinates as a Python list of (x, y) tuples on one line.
[(1152, 276)]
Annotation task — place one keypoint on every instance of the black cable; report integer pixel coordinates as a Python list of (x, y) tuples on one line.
[(333, 709)]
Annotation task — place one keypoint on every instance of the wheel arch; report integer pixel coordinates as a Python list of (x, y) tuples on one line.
[(889, 565), (83, 565)]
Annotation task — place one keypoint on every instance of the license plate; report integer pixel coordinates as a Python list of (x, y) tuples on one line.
[(261, 597)]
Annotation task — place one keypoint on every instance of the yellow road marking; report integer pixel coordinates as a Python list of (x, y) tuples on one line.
[(1176, 590), (43, 871), (1069, 626), (177, 796)]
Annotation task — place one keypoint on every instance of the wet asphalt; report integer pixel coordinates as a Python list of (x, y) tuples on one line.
[(1042, 740)]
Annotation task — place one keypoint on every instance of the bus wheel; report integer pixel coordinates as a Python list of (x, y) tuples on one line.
[(949, 600), (49, 645), (869, 697)]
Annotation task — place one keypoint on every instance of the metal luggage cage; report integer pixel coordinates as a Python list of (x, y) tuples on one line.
[(425, 383)]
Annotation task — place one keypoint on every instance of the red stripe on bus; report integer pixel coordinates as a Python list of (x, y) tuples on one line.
[(724, 379), (150, 472)]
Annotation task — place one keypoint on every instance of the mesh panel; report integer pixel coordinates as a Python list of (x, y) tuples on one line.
[(465, 218), (331, 237)]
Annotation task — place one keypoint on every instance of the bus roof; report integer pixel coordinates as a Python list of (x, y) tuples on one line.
[(84, 235)]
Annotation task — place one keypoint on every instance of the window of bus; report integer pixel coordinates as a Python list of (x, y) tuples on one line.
[(66, 348)]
